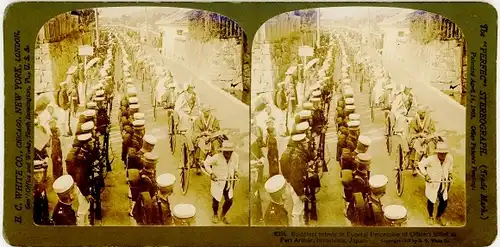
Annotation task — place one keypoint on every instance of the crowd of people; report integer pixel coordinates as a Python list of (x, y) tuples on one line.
[(295, 177), (126, 69)]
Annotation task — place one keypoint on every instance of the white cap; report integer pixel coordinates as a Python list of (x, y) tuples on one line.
[(91, 105), (348, 92), (184, 211), (353, 123), (63, 184), (139, 122), (365, 140), (305, 113), (315, 99), (364, 157), (165, 180), (441, 147), (302, 126), (99, 93), (298, 137), (133, 100), (349, 101), (88, 126), (378, 181), (316, 93), (350, 107), (307, 105), (89, 113), (395, 212), (131, 91), (84, 137), (275, 183), (134, 106), (138, 115), (150, 139), (354, 117)]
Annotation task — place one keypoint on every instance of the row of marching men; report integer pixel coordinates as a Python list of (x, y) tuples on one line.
[(293, 199), (149, 193), (362, 192), (85, 162)]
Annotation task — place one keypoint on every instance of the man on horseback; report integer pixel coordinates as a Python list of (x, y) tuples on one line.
[(204, 126)]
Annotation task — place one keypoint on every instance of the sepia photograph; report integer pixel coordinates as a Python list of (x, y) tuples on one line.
[(358, 119), (141, 118)]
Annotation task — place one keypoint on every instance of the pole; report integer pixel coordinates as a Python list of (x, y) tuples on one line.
[(304, 59), (96, 28), (317, 27), (147, 27), (85, 79)]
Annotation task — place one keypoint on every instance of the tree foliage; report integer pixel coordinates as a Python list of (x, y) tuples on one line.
[(321, 51), (284, 54), (426, 27), (205, 26)]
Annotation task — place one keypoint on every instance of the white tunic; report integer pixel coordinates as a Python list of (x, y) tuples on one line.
[(432, 166), (182, 108), (222, 170)]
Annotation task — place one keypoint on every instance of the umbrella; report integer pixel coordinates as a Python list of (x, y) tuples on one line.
[(41, 103)]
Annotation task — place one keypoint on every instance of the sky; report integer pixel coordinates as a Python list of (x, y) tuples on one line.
[(119, 11), (357, 12)]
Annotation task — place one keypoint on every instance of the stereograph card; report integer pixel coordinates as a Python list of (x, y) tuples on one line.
[(250, 124)]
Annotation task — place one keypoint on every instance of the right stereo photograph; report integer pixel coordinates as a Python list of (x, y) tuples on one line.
[(358, 119)]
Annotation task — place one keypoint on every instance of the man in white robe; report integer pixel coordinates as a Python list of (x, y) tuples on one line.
[(223, 170)]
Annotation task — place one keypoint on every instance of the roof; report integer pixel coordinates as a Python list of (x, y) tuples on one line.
[(180, 17), (401, 19)]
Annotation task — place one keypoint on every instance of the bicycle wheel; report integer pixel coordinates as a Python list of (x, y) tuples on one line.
[(370, 99), (388, 136), (185, 169), (171, 133), (399, 171)]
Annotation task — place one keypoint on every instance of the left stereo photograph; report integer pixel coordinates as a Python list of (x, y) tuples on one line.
[(141, 117)]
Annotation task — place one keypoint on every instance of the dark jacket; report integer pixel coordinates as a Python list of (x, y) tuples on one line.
[(298, 172), (56, 156), (163, 217), (79, 164), (276, 215), (63, 215), (272, 155), (285, 161), (41, 207)]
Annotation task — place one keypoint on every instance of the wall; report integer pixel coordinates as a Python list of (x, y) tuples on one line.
[(170, 44), (262, 68), (219, 61), (52, 60), (440, 61)]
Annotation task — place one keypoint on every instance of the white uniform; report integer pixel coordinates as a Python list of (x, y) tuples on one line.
[(432, 166), (223, 170), (184, 110)]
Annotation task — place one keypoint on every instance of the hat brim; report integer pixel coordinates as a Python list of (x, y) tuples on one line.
[(442, 151)]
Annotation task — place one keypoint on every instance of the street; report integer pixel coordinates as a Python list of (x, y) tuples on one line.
[(115, 202), (330, 204)]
